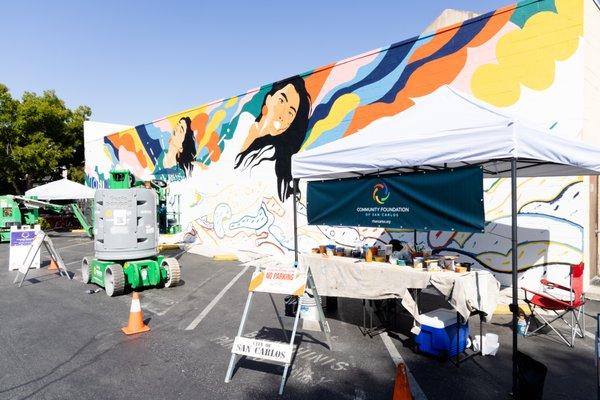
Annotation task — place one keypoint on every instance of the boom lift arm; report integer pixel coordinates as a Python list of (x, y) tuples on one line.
[(73, 207)]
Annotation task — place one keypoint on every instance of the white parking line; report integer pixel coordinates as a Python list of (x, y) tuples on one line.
[(72, 263), (76, 244), (214, 301), (416, 390), (197, 287)]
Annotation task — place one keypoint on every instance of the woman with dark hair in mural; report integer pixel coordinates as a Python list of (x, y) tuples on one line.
[(181, 152), (270, 126), (278, 132)]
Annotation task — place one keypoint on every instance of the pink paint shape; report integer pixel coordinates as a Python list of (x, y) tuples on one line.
[(344, 71), (243, 100), (130, 160), (163, 124), (478, 56)]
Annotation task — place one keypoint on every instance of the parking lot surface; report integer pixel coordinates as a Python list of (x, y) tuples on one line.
[(60, 342)]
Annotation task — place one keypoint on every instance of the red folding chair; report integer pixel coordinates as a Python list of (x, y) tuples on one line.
[(574, 305)]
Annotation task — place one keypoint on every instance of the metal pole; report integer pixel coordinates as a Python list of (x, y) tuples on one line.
[(295, 223), (415, 240), (240, 332), (597, 358), (515, 267), (278, 316), (322, 322), (287, 366)]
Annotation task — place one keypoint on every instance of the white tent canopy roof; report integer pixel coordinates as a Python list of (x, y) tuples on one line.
[(447, 129), (62, 189)]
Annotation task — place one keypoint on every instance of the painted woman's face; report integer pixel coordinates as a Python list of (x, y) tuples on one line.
[(281, 109), (176, 140)]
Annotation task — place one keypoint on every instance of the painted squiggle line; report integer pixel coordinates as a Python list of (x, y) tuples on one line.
[(555, 198), (475, 258)]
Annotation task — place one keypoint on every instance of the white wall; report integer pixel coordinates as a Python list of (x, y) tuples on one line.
[(93, 137), (591, 123)]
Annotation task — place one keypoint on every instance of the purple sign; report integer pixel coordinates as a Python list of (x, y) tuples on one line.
[(22, 238)]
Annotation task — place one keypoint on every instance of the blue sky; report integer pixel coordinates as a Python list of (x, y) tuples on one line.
[(135, 61)]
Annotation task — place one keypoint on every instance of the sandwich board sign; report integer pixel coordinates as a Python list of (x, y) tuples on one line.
[(34, 252), (21, 241), (279, 280)]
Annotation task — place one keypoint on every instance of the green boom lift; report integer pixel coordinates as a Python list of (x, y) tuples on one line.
[(168, 217), (128, 217), (21, 210)]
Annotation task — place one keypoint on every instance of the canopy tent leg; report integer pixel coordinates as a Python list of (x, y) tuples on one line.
[(295, 223), (515, 267), (415, 240)]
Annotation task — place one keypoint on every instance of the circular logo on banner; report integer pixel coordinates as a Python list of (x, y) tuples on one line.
[(380, 193)]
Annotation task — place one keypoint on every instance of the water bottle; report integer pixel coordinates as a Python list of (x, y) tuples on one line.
[(521, 326)]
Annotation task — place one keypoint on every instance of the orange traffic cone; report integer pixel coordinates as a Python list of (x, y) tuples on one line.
[(136, 318), (401, 386), (53, 266)]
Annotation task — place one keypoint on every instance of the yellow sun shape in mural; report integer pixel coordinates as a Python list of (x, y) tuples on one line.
[(528, 56)]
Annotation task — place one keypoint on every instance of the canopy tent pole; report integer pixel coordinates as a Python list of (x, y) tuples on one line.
[(415, 241), (515, 267), (295, 223)]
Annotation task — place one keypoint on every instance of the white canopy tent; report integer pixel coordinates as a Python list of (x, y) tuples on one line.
[(62, 189), (448, 129)]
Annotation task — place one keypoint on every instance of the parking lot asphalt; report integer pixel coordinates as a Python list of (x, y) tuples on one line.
[(58, 341)]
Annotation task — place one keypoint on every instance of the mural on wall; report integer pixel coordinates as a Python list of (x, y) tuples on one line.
[(231, 159)]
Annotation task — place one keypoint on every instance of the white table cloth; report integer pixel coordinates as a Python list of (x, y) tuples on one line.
[(349, 277)]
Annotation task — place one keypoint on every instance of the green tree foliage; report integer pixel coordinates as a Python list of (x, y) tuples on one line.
[(39, 136), (77, 174)]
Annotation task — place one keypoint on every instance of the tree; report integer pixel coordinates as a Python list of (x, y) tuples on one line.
[(39, 136)]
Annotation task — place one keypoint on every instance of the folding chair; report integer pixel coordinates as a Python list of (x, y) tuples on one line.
[(574, 305)]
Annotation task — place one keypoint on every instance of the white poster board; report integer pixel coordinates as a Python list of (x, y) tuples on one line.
[(21, 242)]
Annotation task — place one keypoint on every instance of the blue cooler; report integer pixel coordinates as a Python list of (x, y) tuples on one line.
[(438, 334)]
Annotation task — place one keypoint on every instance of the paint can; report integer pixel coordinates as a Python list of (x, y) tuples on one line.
[(308, 309)]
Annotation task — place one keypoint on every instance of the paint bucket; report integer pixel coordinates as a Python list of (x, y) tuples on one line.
[(308, 309)]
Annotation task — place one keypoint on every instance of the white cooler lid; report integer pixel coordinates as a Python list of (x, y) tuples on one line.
[(439, 318)]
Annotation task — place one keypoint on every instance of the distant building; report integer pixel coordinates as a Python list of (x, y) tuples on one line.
[(450, 17)]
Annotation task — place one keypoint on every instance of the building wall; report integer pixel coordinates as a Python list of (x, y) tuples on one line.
[(591, 44), (93, 140), (233, 168), (591, 120)]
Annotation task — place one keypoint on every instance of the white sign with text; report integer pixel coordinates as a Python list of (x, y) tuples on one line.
[(279, 280), (21, 243), (263, 349)]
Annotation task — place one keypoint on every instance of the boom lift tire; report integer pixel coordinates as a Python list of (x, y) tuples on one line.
[(85, 270), (114, 280), (173, 271)]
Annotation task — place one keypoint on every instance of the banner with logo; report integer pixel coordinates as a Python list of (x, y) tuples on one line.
[(450, 200)]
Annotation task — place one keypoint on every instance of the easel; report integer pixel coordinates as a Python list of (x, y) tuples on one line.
[(273, 350), (41, 238)]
